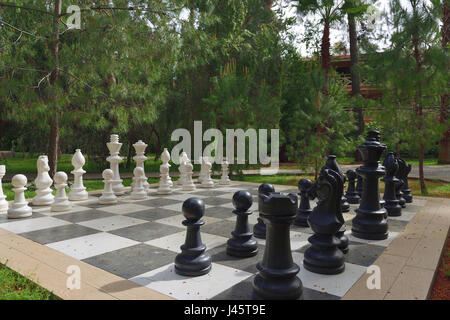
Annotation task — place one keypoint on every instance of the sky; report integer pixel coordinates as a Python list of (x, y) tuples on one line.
[(335, 34)]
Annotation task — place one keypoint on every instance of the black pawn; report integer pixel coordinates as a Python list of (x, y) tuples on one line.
[(259, 230), (399, 194), (370, 222), (406, 169), (304, 209), (324, 256), (242, 244), (359, 185), (351, 194), (403, 172), (277, 276), (392, 204), (193, 261)]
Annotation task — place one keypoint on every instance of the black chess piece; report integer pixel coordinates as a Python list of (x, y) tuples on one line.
[(392, 205), (333, 165), (370, 222), (345, 206), (359, 186), (242, 244), (259, 230), (403, 172), (277, 276), (304, 209), (193, 261), (351, 194), (399, 194), (326, 220)]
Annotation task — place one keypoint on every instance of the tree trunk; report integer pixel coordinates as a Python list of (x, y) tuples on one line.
[(325, 56), (444, 150), (54, 118), (418, 102), (356, 82)]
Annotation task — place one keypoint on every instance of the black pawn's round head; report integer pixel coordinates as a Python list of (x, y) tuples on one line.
[(193, 209), (242, 200), (304, 184), (266, 188), (351, 174)]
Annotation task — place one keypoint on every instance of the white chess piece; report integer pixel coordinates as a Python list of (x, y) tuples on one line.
[(61, 202), (201, 176), (114, 147), (225, 179), (78, 191), (181, 168), (140, 159), (3, 202), (108, 196), (165, 181), (207, 182), (188, 184), (43, 182), (19, 208), (139, 191)]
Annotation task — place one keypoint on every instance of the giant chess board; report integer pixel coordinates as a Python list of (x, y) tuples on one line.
[(138, 240)]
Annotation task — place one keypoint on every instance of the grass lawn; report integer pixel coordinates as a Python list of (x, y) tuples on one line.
[(435, 188), (14, 286)]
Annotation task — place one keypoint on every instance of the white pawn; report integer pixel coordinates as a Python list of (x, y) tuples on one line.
[(3, 202), (43, 182), (207, 182), (61, 202), (108, 196), (19, 208), (165, 183), (78, 191), (188, 184), (139, 191), (225, 179)]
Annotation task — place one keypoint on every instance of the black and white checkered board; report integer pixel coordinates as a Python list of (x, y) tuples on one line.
[(138, 240)]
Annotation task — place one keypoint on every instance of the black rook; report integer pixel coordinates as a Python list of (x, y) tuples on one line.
[(277, 276)]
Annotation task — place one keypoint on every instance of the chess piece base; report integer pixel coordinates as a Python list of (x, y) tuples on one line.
[(275, 288), (353, 200), (21, 212), (236, 248), (259, 229), (65, 206), (44, 200), (323, 256), (192, 265), (75, 195), (301, 219)]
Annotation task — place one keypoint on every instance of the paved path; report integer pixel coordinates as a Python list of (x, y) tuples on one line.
[(441, 172)]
